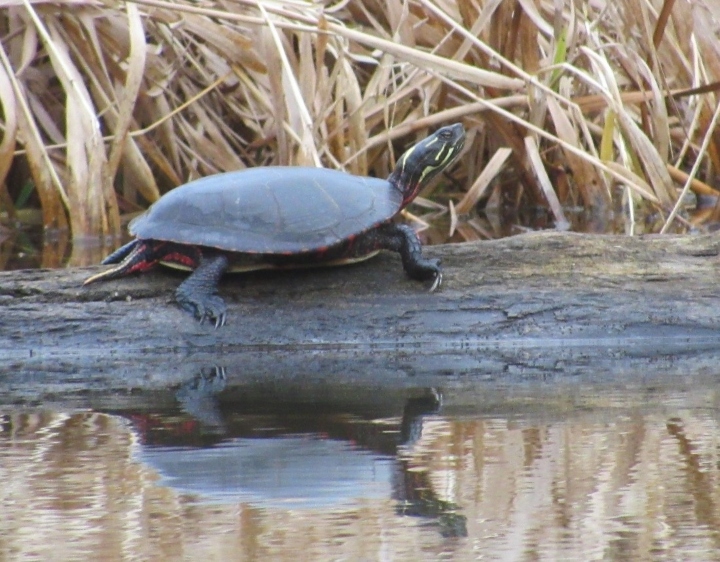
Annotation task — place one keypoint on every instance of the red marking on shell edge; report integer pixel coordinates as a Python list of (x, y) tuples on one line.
[(351, 241), (141, 266), (181, 259)]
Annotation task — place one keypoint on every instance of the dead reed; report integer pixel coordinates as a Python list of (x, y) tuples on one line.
[(600, 104)]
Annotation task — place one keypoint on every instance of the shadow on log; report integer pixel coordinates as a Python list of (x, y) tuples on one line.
[(525, 308)]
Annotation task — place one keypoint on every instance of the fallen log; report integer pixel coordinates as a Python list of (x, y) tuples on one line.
[(522, 307)]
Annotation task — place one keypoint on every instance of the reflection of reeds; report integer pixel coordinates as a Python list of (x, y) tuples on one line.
[(107, 105), (584, 476)]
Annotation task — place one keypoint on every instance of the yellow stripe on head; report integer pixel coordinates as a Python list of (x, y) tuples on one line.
[(426, 159)]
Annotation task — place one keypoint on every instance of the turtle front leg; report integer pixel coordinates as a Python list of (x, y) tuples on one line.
[(198, 293), (402, 238)]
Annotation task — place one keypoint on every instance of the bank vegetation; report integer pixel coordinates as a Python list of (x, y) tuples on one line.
[(600, 106)]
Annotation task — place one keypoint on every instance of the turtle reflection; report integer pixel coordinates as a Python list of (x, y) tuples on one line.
[(270, 452)]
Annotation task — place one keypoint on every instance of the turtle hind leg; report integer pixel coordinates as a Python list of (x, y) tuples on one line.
[(198, 293), (402, 238), (138, 255), (120, 254)]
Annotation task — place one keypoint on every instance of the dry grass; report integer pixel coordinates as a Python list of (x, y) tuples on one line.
[(601, 104)]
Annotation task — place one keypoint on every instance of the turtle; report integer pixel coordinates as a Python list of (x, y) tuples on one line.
[(281, 217)]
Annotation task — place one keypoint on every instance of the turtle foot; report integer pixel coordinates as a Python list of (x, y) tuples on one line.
[(197, 293), (207, 307), (427, 269), (403, 239)]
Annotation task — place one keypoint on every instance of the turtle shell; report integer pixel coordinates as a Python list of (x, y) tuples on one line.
[(270, 210)]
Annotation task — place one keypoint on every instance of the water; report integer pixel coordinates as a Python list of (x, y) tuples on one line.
[(227, 468)]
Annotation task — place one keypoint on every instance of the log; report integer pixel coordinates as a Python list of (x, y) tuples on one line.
[(534, 307)]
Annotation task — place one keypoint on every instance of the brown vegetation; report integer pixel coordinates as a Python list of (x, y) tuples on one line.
[(106, 105)]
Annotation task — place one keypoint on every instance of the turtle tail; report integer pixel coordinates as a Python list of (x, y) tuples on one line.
[(137, 255)]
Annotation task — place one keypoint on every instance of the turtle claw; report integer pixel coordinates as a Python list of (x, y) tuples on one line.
[(212, 309), (437, 282), (433, 271), (219, 319)]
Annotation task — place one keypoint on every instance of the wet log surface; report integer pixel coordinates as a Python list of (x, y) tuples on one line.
[(534, 307)]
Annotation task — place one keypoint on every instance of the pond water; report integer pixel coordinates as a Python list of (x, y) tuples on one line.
[(228, 468)]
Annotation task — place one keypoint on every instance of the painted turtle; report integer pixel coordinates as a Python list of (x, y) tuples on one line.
[(277, 217)]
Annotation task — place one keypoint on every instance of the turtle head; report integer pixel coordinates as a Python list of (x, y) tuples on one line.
[(427, 159)]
